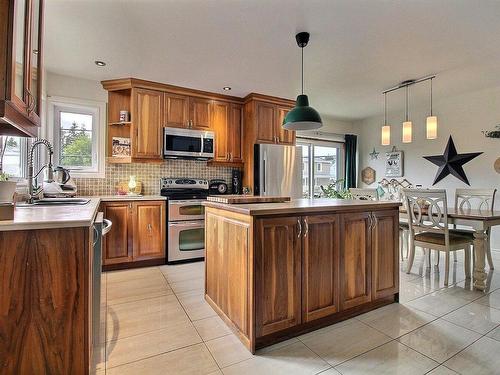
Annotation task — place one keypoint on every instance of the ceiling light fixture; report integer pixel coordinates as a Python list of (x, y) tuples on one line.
[(431, 122), (302, 116), (100, 63), (226, 88), (386, 128), (407, 124)]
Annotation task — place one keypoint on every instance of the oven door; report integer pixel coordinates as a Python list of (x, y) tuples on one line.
[(189, 209), (186, 240)]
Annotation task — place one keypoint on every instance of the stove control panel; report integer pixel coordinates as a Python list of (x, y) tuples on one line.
[(183, 183)]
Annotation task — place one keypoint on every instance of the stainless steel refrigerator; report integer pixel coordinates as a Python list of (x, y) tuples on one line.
[(278, 170)]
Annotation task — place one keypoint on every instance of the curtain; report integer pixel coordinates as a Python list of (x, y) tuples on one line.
[(350, 169)]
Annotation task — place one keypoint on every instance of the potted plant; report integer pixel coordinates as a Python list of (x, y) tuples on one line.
[(335, 190), (7, 187)]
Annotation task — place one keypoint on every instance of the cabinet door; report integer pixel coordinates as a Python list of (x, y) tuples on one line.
[(266, 119), (118, 242), (200, 113), (285, 137), (385, 256), (235, 134), (277, 275), (176, 109), (149, 230), (35, 59), (355, 260), (220, 125), (20, 57), (147, 122), (320, 266)]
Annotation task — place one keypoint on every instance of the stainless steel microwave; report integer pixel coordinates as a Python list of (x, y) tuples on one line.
[(188, 144)]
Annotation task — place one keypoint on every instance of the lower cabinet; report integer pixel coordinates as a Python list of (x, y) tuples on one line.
[(311, 267), (137, 234), (277, 274)]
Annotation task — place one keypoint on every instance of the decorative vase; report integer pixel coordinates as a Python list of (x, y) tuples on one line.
[(7, 190)]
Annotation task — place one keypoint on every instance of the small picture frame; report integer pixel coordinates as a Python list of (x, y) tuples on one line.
[(394, 164), (121, 147)]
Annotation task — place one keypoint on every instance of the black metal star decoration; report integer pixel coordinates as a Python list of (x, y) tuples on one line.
[(451, 163)]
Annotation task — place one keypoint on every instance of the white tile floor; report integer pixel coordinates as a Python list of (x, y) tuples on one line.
[(158, 323)]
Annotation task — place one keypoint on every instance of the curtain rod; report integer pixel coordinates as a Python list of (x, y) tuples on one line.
[(409, 82)]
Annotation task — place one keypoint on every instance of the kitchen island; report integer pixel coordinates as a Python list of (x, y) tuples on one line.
[(276, 270)]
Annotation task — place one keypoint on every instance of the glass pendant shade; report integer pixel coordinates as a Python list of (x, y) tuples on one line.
[(302, 116), (386, 135), (431, 127), (407, 129)]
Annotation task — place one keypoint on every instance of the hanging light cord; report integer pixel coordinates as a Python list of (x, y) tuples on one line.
[(302, 49), (431, 96), (385, 109), (407, 103)]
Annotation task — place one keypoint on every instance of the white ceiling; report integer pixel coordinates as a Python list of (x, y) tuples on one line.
[(357, 47)]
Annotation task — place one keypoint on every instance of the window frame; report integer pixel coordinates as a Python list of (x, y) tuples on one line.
[(98, 110), (24, 144), (310, 143)]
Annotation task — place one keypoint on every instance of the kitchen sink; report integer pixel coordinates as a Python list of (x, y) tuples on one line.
[(55, 202)]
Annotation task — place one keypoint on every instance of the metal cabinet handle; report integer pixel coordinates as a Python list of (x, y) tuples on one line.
[(306, 231), (150, 228), (130, 205), (230, 156), (107, 224), (370, 221), (300, 228), (375, 220)]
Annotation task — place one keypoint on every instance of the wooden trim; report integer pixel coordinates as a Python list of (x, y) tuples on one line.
[(128, 265), (269, 99), (127, 83)]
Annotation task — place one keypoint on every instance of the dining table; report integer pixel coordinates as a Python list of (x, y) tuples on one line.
[(479, 221)]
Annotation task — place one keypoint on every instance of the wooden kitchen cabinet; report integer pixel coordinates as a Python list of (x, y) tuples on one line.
[(21, 71), (320, 266), (137, 235), (176, 111), (265, 122), (147, 119), (277, 274), (149, 230), (227, 126), (355, 260), (385, 264), (285, 137), (200, 110)]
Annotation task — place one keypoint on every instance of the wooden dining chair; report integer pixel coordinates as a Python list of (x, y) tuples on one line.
[(364, 194), (476, 199), (428, 225)]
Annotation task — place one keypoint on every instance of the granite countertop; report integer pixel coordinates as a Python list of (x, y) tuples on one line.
[(303, 206), (64, 216)]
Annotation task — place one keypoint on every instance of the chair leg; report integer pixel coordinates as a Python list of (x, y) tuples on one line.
[(446, 267), (401, 242), (411, 257), (467, 262), (406, 238), (429, 253), (439, 257)]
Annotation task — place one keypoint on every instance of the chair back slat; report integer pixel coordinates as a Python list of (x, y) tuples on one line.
[(427, 211), (478, 199), (364, 194)]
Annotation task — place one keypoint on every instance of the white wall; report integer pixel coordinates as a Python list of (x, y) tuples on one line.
[(73, 87), (463, 117)]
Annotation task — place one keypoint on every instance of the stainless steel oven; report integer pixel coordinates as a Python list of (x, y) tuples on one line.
[(185, 218), (188, 144)]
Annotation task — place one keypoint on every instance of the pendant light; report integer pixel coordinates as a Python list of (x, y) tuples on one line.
[(386, 128), (302, 116), (431, 122), (407, 125)]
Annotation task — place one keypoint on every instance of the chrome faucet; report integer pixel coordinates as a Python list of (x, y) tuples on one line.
[(33, 189)]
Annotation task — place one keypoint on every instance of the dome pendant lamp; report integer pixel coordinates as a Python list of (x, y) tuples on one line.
[(302, 116)]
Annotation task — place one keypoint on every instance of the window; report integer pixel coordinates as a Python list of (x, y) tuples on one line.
[(78, 136), (14, 157), (323, 163)]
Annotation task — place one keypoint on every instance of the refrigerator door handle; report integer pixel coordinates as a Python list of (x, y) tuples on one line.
[(264, 160)]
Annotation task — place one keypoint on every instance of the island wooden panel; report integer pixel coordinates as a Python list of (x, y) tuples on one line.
[(227, 272), (385, 264), (277, 274), (44, 306), (320, 266), (355, 260)]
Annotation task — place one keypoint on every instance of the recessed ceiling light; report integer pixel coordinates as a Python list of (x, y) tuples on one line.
[(226, 88), (100, 63)]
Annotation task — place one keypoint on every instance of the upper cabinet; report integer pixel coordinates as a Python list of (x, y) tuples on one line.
[(21, 75), (181, 111), (147, 137), (227, 125)]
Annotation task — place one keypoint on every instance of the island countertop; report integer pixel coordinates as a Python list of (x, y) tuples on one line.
[(298, 206)]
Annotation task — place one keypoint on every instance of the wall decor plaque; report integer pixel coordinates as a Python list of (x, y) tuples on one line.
[(394, 164), (368, 175), (497, 165)]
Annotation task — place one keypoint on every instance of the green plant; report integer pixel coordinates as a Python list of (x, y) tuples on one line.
[(335, 190), (4, 176)]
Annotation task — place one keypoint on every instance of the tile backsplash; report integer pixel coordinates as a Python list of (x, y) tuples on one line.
[(149, 174)]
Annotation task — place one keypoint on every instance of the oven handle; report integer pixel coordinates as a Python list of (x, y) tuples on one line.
[(198, 223), (179, 202)]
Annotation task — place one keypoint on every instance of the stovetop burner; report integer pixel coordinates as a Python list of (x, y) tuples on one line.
[(183, 188)]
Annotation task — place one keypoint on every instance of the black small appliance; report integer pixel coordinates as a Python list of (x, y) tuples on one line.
[(217, 187), (236, 182)]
